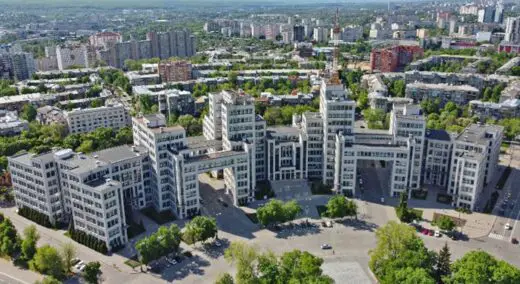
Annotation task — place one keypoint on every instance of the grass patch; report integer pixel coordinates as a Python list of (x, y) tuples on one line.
[(263, 189), (318, 188), (502, 181), (416, 213), (444, 198), (322, 210), (132, 263), (420, 194), (134, 229), (252, 217), (463, 210), (159, 217)]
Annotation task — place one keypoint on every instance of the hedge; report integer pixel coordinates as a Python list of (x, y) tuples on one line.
[(88, 240), (35, 216)]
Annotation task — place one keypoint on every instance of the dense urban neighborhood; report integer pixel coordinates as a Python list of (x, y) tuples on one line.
[(259, 142)]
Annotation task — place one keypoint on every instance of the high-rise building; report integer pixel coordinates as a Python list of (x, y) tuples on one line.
[(298, 33), (393, 58), (174, 71), (512, 33), (176, 43), (23, 65), (102, 38), (499, 12), (17, 66), (486, 14), (320, 34), (74, 55)]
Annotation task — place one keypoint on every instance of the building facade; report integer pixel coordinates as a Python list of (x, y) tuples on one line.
[(87, 120), (174, 71)]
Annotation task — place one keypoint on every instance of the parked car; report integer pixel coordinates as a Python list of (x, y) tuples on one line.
[(79, 264), (514, 241), (430, 233), (75, 261), (437, 234), (508, 226), (326, 246), (81, 268), (218, 244)]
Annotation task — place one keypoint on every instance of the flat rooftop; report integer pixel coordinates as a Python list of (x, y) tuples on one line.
[(197, 142), (214, 156), (438, 134), (119, 153), (479, 134)]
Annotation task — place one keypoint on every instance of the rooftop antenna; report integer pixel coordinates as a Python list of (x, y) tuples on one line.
[(335, 33)]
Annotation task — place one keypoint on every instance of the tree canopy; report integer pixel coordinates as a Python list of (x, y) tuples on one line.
[(481, 267), (91, 272), (291, 267), (158, 244), (48, 261), (399, 248), (338, 207), (199, 229), (276, 211)]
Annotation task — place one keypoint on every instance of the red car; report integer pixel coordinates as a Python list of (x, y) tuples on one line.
[(430, 232), (425, 231)]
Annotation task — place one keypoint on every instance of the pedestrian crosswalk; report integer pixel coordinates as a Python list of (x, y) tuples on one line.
[(496, 236)]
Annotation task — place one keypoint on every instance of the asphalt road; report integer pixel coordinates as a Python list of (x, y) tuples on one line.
[(7, 279)]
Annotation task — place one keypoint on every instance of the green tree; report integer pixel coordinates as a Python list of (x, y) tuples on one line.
[(48, 261), (92, 272), (243, 256), (86, 146), (225, 278), (275, 211), (445, 223), (31, 237), (9, 240), (96, 103), (337, 207), (28, 112), (160, 243), (397, 88), (201, 228), (442, 268), (292, 267), (398, 247), (481, 267), (68, 253), (48, 280), (411, 275)]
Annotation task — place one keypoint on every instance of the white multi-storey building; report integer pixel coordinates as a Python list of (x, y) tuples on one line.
[(71, 56), (88, 119), (473, 163), (36, 184), (162, 170)]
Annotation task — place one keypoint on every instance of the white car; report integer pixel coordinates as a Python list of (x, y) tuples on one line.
[(508, 226), (79, 264), (437, 234), (82, 267), (218, 244)]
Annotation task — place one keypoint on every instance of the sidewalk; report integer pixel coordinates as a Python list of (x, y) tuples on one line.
[(9, 271)]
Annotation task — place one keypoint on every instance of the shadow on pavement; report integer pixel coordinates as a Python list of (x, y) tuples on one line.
[(213, 251), (291, 230), (359, 225), (191, 265)]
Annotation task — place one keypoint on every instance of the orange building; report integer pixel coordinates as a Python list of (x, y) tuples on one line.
[(175, 71), (394, 58)]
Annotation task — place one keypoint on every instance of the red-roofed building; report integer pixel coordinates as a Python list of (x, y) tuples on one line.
[(394, 58)]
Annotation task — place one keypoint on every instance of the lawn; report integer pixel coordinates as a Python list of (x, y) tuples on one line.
[(132, 263), (252, 217), (444, 198), (134, 229), (159, 217), (322, 209), (420, 194)]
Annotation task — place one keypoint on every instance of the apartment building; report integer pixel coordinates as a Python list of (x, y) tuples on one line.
[(473, 163), (174, 71), (437, 157), (36, 184), (86, 120), (102, 39), (509, 108), (68, 56), (393, 58), (459, 94)]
